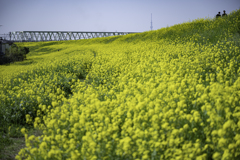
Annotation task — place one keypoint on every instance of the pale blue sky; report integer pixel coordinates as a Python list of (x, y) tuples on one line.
[(105, 15)]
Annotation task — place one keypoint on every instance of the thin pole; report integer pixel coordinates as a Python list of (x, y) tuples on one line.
[(151, 22)]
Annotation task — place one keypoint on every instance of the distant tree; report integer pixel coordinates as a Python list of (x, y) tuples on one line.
[(16, 53)]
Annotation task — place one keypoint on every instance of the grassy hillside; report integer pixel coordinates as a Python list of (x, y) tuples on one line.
[(172, 93)]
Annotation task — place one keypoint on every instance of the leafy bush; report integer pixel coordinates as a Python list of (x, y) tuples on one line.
[(16, 53)]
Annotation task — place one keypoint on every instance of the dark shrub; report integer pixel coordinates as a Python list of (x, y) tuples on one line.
[(5, 60), (16, 54), (26, 50)]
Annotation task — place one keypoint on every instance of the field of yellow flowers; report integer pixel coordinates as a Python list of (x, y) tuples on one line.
[(172, 93)]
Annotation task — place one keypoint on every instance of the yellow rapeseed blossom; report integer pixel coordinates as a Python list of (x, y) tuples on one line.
[(138, 96)]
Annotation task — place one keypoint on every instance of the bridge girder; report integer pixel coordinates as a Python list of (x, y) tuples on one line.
[(36, 36)]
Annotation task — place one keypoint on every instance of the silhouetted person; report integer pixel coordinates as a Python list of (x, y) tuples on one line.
[(224, 14), (218, 15)]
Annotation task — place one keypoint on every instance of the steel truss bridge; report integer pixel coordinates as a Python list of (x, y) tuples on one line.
[(36, 36)]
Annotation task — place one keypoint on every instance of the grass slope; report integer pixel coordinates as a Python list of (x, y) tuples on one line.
[(168, 93)]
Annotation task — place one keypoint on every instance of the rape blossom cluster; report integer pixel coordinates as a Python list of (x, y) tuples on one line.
[(145, 96)]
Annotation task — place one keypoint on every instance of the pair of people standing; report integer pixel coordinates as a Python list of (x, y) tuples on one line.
[(219, 15)]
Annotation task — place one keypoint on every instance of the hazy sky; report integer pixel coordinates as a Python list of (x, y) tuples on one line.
[(105, 15)]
